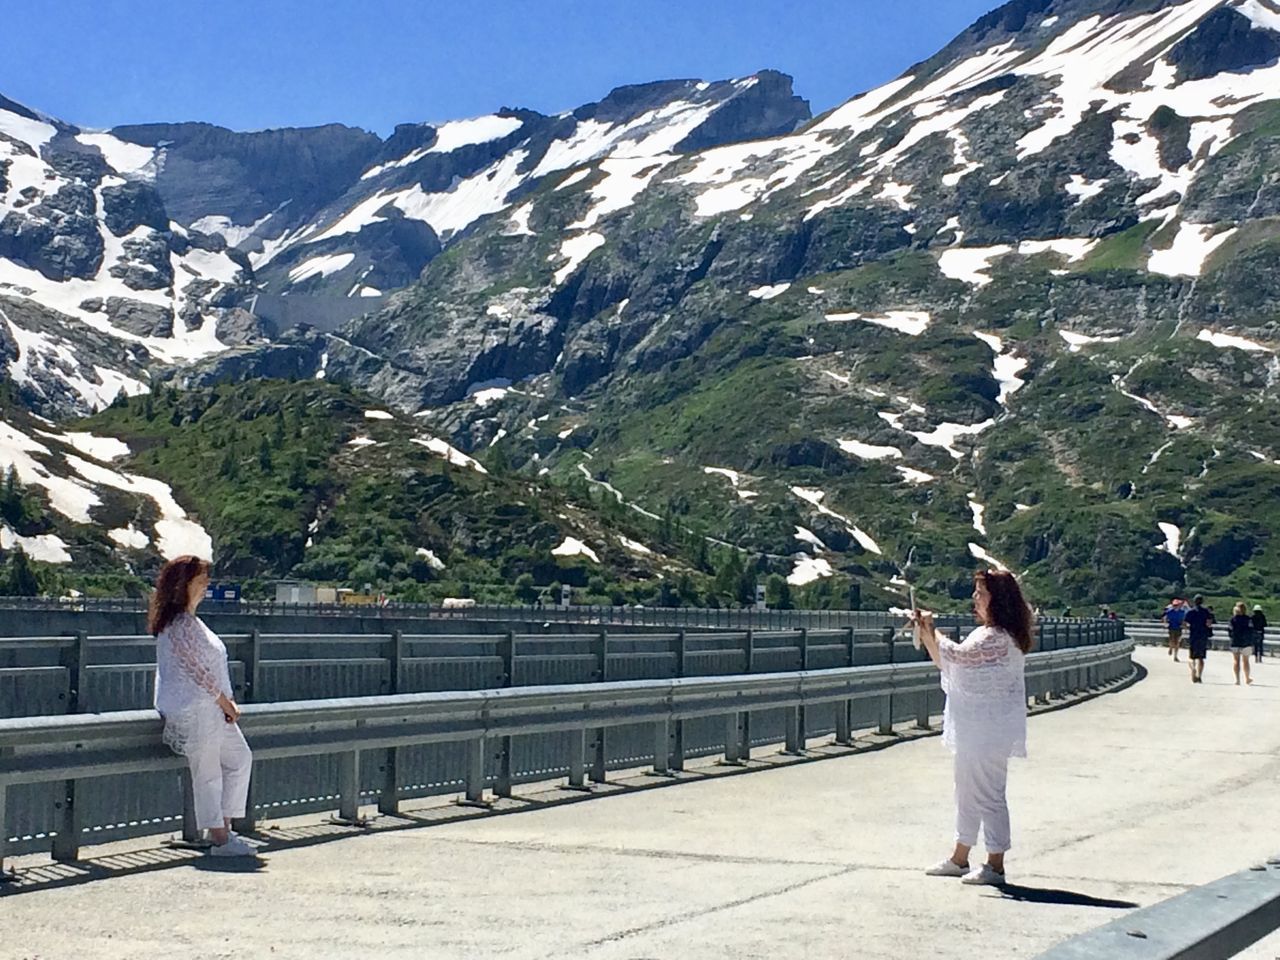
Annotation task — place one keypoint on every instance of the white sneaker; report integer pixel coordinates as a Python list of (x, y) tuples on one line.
[(234, 847), (983, 876), (947, 868)]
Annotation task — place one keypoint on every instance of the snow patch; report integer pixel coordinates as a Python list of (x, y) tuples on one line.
[(575, 250), (911, 475), (1226, 340), (769, 292), (320, 266), (432, 560), (46, 548), (868, 451), (573, 547), (1077, 340), (1186, 256), (807, 570), (979, 553), (978, 510), (1172, 538), (449, 453), (805, 535), (634, 546), (130, 537)]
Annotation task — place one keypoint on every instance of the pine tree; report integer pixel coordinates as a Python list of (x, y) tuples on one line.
[(21, 580), (264, 456)]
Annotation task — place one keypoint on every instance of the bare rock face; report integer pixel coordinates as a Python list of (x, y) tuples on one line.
[(138, 317), (1224, 42), (145, 264), (130, 205), (58, 236)]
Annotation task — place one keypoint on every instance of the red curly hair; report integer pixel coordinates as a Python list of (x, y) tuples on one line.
[(170, 596), (1007, 608)]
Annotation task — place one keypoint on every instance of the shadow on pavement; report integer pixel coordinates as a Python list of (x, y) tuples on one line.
[(1066, 898)]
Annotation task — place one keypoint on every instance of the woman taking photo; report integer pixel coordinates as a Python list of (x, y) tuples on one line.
[(984, 722), (194, 696)]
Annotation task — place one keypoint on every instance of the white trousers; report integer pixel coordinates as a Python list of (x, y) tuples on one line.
[(220, 767), (980, 800)]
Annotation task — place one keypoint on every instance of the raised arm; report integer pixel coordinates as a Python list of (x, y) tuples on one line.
[(982, 648)]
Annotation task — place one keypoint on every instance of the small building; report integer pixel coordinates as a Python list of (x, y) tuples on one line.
[(295, 591)]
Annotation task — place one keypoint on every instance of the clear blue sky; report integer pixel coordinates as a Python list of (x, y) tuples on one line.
[(252, 64)]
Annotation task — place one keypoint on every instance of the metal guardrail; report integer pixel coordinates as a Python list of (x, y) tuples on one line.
[(72, 751), (1212, 922), (698, 617)]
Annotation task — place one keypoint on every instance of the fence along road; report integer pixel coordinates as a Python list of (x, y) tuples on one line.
[(1126, 799), (778, 687)]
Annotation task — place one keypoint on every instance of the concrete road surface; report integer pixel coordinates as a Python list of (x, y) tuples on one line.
[(1127, 799)]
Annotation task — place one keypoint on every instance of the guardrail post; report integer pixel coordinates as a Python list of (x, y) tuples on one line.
[(6, 876), (578, 760), (599, 761), (252, 660), (794, 741), (253, 666), (66, 842), (389, 795), (190, 832), (661, 747), (475, 774), (349, 789), (844, 722), (76, 660), (744, 725), (676, 761), (506, 773), (886, 701), (797, 716)]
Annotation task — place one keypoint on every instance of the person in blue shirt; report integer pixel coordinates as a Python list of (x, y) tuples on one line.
[(1199, 623), (1174, 614)]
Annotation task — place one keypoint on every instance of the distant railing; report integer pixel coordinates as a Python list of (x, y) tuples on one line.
[(695, 617), (344, 753)]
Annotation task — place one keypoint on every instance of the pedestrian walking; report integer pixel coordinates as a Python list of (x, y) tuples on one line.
[(1173, 616), (1259, 632), (194, 696), (1241, 629), (1199, 623), (984, 720)]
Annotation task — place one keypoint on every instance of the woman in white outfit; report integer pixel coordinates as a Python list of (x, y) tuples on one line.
[(194, 695), (985, 719)]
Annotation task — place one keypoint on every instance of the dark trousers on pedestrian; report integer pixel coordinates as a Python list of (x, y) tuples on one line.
[(1257, 644)]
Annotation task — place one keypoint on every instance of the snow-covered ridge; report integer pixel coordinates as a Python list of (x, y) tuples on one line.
[(74, 493)]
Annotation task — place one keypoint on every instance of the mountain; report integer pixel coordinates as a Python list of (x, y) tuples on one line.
[(1019, 303), (1017, 307), (127, 251), (97, 284), (338, 212)]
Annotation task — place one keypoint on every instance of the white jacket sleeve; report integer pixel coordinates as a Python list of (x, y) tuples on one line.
[(194, 656)]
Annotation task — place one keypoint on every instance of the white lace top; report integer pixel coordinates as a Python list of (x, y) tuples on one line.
[(191, 671), (984, 679)]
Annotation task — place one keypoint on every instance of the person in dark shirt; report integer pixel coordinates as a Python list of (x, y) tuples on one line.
[(1241, 642), (1199, 621), (1259, 632)]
